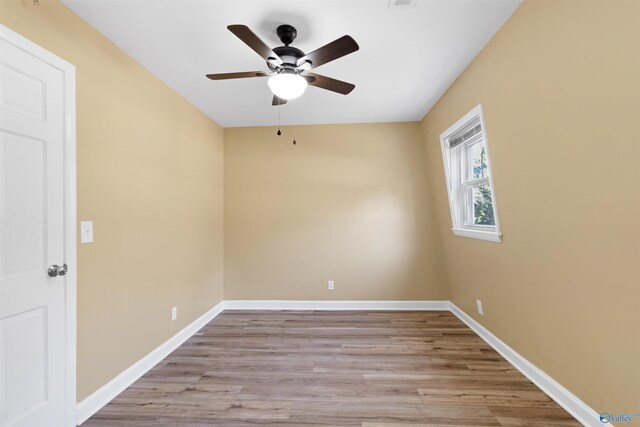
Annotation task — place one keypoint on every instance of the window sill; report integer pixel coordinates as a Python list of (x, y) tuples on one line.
[(490, 236)]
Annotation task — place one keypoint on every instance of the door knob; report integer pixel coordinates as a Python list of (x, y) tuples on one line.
[(56, 270)]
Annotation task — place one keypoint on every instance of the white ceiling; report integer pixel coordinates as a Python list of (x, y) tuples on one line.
[(408, 57)]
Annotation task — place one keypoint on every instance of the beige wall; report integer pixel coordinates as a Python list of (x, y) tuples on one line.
[(348, 203), (560, 89), (362, 205), (150, 177)]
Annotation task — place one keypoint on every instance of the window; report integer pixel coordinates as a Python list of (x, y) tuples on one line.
[(468, 170)]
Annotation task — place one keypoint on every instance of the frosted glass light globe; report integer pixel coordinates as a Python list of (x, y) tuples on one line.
[(287, 85)]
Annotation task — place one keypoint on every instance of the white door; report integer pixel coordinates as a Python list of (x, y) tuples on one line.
[(32, 230)]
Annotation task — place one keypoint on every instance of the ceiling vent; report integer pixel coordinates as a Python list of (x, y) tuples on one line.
[(401, 4)]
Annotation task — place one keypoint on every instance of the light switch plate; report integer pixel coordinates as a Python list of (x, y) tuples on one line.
[(86, 231)]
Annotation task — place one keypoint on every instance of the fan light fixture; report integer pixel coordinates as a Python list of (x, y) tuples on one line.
[(289, 67), (287, 84)]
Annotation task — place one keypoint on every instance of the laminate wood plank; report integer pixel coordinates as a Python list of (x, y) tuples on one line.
[(341, 367), (352, 413), (213, 409), (512, 416), (312, 368), (352, 393), (283, 380), (349, 413), (159, 391), (484, 397), (368, 424)]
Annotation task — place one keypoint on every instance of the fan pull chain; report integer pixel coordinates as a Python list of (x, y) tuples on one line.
[(279, 105), (294, 121)]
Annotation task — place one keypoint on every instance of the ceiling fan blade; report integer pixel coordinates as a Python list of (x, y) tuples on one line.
[(278, 101), (328, 83), (241, 75), (250, 39), (334, 50)]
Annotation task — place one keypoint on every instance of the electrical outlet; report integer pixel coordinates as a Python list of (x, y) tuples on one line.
[(480, 310), (174, 313), (330, 285)]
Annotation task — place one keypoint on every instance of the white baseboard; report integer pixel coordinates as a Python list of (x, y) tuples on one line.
[(109, 391), (563, 397), (335, 305), (572, 404)]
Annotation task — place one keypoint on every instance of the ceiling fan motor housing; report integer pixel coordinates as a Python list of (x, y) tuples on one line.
[(288, 54), (287, 34)]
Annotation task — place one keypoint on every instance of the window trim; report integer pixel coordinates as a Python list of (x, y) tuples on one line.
[(458, 226)]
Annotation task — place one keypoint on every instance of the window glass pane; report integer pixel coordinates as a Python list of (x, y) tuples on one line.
[(478, 161), (466, 161), (482, 205)]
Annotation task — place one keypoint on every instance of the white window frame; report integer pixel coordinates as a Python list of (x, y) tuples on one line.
[(457, 185)]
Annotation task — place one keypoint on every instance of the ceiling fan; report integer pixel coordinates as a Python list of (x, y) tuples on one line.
[(289, 67)]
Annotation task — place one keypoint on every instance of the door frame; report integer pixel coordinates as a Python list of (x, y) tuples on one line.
[(69, 72)]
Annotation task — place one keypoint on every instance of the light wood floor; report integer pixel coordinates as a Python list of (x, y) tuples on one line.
[(306, 368)]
